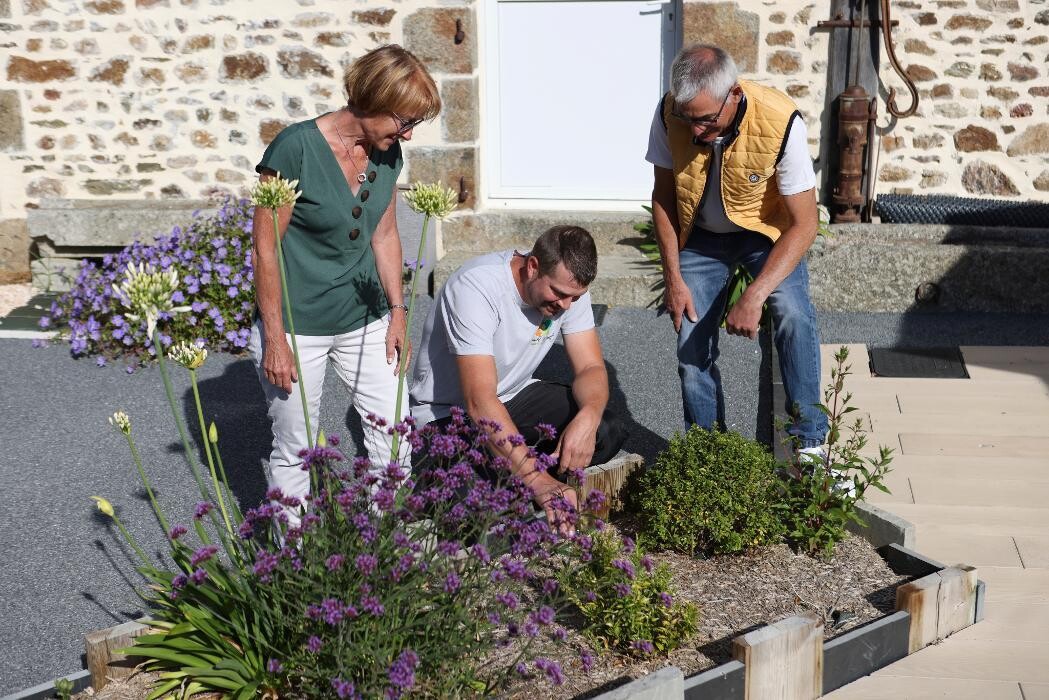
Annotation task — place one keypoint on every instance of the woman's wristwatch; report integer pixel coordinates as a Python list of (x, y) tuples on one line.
[(398, 306)]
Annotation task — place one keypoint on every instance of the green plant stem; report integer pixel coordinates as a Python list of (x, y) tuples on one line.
[(403, 365), (238, 515), (291, 327), (174, 414), (131, 540), (145, 482), (207, 451)]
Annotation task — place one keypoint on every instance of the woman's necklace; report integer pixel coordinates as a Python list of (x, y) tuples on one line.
[(361, 177)]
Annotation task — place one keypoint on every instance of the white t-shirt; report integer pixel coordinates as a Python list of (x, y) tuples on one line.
[(794, 172), (480, 312)]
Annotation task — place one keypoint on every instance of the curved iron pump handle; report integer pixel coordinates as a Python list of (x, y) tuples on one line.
[(886, 30)]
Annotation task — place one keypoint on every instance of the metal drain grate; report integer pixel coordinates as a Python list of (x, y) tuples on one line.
[(927, 363)]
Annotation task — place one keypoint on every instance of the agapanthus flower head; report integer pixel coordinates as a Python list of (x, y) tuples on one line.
[(274, 192), (148, 293), (103, 505), (189, 355), (121, 422), (433, 199)]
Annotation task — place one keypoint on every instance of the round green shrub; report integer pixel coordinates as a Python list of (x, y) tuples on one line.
[(710, 492)]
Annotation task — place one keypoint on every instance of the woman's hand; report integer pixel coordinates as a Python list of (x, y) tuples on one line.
[(396, 340), (278, 364)]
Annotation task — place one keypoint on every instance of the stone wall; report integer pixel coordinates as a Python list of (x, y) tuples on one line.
[(172, 99), (980, 66)]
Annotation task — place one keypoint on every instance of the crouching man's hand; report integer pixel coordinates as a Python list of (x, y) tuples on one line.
[(558, 501)]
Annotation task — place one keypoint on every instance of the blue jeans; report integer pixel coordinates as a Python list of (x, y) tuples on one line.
[(706, 264)]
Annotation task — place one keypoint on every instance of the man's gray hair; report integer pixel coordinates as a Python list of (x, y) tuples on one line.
[(701, 68)]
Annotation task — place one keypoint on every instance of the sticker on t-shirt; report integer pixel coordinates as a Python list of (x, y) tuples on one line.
[(542, 331)]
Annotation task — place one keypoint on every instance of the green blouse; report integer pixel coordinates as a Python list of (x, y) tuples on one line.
[(333, 284)]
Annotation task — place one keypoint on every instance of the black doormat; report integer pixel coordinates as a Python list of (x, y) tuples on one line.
[(927, 363)]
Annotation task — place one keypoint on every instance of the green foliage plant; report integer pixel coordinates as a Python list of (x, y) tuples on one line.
[(63, 688), (819, 493), (627, 600), (709, 491)]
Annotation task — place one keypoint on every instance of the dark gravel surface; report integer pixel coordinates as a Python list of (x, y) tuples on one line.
[(67, 573)]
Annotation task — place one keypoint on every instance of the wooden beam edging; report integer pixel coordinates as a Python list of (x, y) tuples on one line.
[(609, 478), (784, 660), (940, 604), (103, 661)]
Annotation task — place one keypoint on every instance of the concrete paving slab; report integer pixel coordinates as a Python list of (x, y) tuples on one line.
[(1006, 364), (967, 445), (977, 421), (965, 548), (975, 467), (976, 660), (1008, 585), (1009, 622), (881, 686), (976, 520), (988, 491), (1035, 691), (1034, 551), (1000, 403)]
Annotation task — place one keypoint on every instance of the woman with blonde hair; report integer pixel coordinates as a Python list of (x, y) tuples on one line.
[(343, 257)]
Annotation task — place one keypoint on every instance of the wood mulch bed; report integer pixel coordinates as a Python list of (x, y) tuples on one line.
[(735, 594)]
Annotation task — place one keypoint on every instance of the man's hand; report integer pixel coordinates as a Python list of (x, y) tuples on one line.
[(678, 300), (744, 317), (575, 445), (278, 364), (396, 342), (555, 499)]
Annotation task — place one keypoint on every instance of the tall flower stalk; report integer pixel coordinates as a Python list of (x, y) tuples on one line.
[(273, 194), (432, 201), (192, 357)]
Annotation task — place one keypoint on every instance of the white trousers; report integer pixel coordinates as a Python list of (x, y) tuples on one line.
[(359, 359)]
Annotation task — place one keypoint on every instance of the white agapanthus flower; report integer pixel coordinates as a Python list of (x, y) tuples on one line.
[(433, 199), (274, 193), (189, 355), (147, 293)]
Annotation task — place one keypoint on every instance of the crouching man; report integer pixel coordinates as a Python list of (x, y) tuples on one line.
[(492, 323)]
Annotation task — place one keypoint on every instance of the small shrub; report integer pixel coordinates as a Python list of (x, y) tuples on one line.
[(626, 601), (708, 491), (212, 256), (818, 498)]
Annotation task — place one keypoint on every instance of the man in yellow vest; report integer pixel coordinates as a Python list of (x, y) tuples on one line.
[(734, 185)]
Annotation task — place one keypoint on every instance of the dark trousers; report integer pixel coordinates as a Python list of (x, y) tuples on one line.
[(553, 403)]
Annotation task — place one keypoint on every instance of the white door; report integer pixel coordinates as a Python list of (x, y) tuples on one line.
[(571, 87)]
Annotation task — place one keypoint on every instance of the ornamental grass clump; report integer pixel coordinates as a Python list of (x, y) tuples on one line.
[(626, 599), (211, 259), (708, 492)]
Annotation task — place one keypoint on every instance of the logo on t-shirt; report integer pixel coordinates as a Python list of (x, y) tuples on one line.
[(542, 331), (754, 177)]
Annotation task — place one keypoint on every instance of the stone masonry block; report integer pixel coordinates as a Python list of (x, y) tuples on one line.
[(86, 224), (460, 107), (447, 166), (724, 24), (12, 135), (430, 35), (14, 251)]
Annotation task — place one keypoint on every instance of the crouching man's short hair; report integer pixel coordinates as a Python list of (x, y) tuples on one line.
[(571, 245)]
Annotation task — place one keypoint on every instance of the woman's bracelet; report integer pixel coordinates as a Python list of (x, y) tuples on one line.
[(399, 306)]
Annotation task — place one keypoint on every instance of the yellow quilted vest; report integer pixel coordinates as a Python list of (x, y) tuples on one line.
[(748, 190)]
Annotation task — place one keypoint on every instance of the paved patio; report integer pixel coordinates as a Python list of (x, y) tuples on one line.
[(972, 473)]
